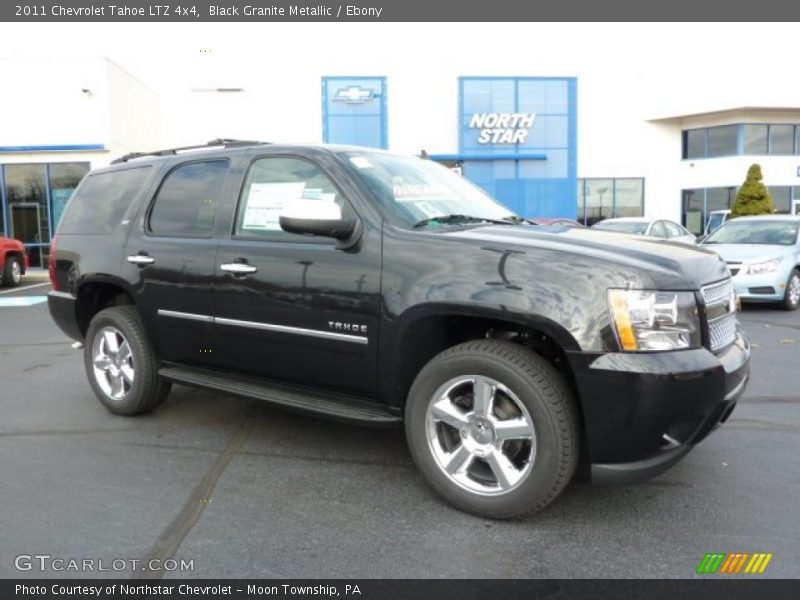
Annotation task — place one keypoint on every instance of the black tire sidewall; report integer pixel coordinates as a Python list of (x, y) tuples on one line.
[(136, 400), (787, 304), (8, 279), (536, 489)]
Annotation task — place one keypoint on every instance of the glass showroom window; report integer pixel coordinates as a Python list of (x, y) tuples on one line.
[(26, 194), (600, 199), (755, 139), (694, 143), (781, 139), (782, 197), (722, 141), (693, 209), (64, 178)]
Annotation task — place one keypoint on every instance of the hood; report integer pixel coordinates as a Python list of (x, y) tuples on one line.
[(670, 265), (748, 253)]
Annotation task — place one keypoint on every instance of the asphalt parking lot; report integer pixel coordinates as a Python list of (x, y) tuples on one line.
[(245, 490)]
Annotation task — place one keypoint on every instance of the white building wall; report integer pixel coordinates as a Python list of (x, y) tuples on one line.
[(628, 75)]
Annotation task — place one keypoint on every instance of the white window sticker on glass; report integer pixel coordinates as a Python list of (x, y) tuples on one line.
[(265, 201)]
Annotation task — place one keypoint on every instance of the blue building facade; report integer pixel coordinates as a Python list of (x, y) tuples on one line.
[(518, 141), (354, 111)]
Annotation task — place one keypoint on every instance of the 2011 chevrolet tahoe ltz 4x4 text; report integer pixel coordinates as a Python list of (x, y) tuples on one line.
[(364, 286)]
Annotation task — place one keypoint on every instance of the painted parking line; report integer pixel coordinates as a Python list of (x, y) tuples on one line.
[(22, 289), (22, 301)]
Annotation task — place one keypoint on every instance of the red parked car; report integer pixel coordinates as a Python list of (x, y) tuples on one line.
[(13, 262)]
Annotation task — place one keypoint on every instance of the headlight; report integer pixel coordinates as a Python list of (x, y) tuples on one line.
[(652, 320), (769, 266)]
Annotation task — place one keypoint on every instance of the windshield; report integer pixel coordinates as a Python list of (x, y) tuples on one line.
[(714, 222), (775, 233), (424, 193), (636, 227)]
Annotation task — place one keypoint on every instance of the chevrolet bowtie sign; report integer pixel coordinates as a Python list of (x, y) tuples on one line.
[(353, 95), (502, 128)]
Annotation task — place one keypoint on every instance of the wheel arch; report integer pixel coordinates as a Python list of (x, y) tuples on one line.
[(427, 330), (96, 293)]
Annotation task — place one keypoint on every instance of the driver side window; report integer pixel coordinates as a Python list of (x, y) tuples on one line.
[(271, 184)]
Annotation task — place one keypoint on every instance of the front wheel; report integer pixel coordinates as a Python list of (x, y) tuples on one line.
[(791, 299), (12, 273), (120, 363), (494, 428)]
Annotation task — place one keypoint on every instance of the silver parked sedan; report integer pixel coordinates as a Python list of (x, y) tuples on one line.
[(763, 255), (658, 228)]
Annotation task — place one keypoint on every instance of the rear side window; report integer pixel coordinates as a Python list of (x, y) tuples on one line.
[(187, 200), (101, 200)]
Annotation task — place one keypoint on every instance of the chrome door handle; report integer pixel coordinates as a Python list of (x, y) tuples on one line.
[(238, 268), (141, 259)]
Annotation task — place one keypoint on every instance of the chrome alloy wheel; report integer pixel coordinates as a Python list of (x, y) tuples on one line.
[(794, 289), (113, 363), (481, 435), (16, 272)]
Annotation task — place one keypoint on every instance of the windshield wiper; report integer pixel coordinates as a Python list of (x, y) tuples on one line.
[(456, 219)]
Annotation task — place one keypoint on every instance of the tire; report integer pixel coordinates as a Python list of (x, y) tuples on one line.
[(126, 382), (791, 298), (12, 273), (443, 427)]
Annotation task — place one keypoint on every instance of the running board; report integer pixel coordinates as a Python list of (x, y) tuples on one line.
[(335, 406)]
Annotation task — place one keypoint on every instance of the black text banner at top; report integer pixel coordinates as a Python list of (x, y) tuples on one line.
[(393, 11)]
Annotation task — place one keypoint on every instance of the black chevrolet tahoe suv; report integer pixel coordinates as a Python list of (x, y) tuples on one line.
[(363, 286)]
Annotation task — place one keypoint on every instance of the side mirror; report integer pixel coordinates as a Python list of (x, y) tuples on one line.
[(316, 217)]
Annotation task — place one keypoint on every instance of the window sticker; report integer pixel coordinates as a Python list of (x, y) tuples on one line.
[(428, 209), (265, 201), (409, 192)]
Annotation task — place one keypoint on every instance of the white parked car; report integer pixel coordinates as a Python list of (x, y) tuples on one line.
[(658, 228)]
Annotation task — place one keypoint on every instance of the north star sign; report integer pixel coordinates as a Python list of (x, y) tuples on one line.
[(502, 128)]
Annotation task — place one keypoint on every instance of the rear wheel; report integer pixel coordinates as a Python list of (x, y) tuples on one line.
[(120, 363), (791, 299), (493, 428), (12, 274)]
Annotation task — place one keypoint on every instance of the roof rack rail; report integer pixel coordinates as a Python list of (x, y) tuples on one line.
[(219, 142)]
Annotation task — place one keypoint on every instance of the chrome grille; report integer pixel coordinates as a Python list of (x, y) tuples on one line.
[(718, 293), (722, 329)]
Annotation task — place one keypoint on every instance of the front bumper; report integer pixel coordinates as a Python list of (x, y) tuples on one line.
[(756, 288), (644, 411)]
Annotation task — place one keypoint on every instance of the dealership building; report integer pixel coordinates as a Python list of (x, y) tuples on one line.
[(554, 137)]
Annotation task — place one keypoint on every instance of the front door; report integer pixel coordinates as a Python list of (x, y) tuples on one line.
[(173, 257), (295, 308)]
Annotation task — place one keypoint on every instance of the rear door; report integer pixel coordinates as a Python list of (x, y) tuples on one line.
[(173, 253), (296, 308)]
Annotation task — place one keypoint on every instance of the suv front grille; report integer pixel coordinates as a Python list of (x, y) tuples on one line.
[(721, 313)]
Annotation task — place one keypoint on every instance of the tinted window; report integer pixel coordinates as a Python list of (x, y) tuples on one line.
[(187, 200), (64, 178), (101, 200), (272, 183)]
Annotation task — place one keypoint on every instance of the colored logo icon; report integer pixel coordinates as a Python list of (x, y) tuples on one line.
[(736, 563)]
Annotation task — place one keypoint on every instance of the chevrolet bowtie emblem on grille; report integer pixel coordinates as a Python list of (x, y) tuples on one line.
[(353, 95), (348, 327)]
